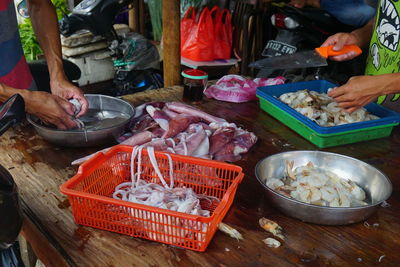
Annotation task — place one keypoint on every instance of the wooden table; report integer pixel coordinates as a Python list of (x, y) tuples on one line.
[(39, 168)]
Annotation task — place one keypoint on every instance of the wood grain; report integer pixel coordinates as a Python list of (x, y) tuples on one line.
[(40, 168), (171, 42), (133, 16), (41, 246)]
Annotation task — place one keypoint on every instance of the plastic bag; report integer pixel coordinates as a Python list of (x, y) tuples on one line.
[(186, 24), (222, 32), (235, 88), (134, 52), (197, 37)]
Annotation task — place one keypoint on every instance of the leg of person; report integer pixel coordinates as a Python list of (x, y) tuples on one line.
[(41, 75), (351, 12)]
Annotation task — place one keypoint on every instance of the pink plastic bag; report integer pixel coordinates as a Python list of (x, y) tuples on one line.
[(235, 88)]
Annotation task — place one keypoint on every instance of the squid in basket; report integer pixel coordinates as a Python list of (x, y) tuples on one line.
[(164, 188)]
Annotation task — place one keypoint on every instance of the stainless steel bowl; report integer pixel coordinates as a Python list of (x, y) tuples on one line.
[(376, 185), (94, 137)]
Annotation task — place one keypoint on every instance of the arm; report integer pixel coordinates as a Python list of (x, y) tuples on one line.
[(44, 22), (364, 34), (361, 90), (49, 108), (360, 37)]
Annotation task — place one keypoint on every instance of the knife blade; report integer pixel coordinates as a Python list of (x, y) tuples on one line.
[(304, 59)]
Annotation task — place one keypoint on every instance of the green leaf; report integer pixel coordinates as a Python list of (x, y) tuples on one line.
[(29, 41)]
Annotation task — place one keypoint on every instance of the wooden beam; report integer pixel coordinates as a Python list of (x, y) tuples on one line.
[(41, 246), (27, 255), (171, 42), (141, 16), (133, 16)]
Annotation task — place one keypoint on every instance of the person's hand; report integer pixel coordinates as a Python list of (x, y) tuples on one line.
[(338, 41), (50, 109), (359, 91), (66, 90)]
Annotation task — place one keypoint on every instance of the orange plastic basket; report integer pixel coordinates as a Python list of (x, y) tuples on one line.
[(90, 194)]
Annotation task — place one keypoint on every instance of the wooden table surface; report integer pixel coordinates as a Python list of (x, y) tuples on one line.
[(39, 168)]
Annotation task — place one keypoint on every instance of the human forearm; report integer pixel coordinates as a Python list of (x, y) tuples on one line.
[(363, 34), (7, 91), (49, 108), (31, 102), (361, 90), (44, 22), (390, 83)]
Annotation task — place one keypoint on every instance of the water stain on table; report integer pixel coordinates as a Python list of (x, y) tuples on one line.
[(83, 235), (64, 204)]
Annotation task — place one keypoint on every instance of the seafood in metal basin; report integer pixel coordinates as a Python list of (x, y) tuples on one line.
[(317, 186), (323, 109)]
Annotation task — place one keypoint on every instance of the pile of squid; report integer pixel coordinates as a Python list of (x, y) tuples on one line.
[(317, 186), (323, 109), (163, 192), (183, 129)]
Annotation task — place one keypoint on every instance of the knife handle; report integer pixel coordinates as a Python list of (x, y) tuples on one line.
[(327, 51)]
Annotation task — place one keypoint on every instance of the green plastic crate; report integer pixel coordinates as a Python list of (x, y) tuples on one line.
[(326, 140)]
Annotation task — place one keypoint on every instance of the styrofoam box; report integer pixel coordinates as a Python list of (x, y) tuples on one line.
[(95, 67)]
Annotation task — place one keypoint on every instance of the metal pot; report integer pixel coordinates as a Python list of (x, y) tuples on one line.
[(376, 185), (93, 137)]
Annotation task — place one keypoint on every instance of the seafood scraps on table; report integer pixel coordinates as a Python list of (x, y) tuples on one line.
[(317, 186), (182, 129), (323, 109), (166, 193)]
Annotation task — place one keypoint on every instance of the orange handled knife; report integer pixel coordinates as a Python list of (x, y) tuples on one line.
[(304, 59)]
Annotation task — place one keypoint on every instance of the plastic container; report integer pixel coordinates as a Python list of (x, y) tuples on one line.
[(90, 191), (319, 135), (194, 84), (93, 69)]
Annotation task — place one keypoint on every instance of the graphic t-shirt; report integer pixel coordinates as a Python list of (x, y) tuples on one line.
[(384, 50), (14, 70)]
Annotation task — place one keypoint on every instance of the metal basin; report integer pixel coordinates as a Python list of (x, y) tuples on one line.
[(376, 185), (108, 132)]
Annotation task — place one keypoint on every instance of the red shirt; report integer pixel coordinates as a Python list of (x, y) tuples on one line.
[(14, 70)]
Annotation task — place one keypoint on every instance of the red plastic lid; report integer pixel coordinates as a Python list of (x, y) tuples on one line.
[(194, 74)]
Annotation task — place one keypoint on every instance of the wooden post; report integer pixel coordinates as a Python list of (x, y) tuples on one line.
[(133, 16), (171, 42), (141, 16)]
